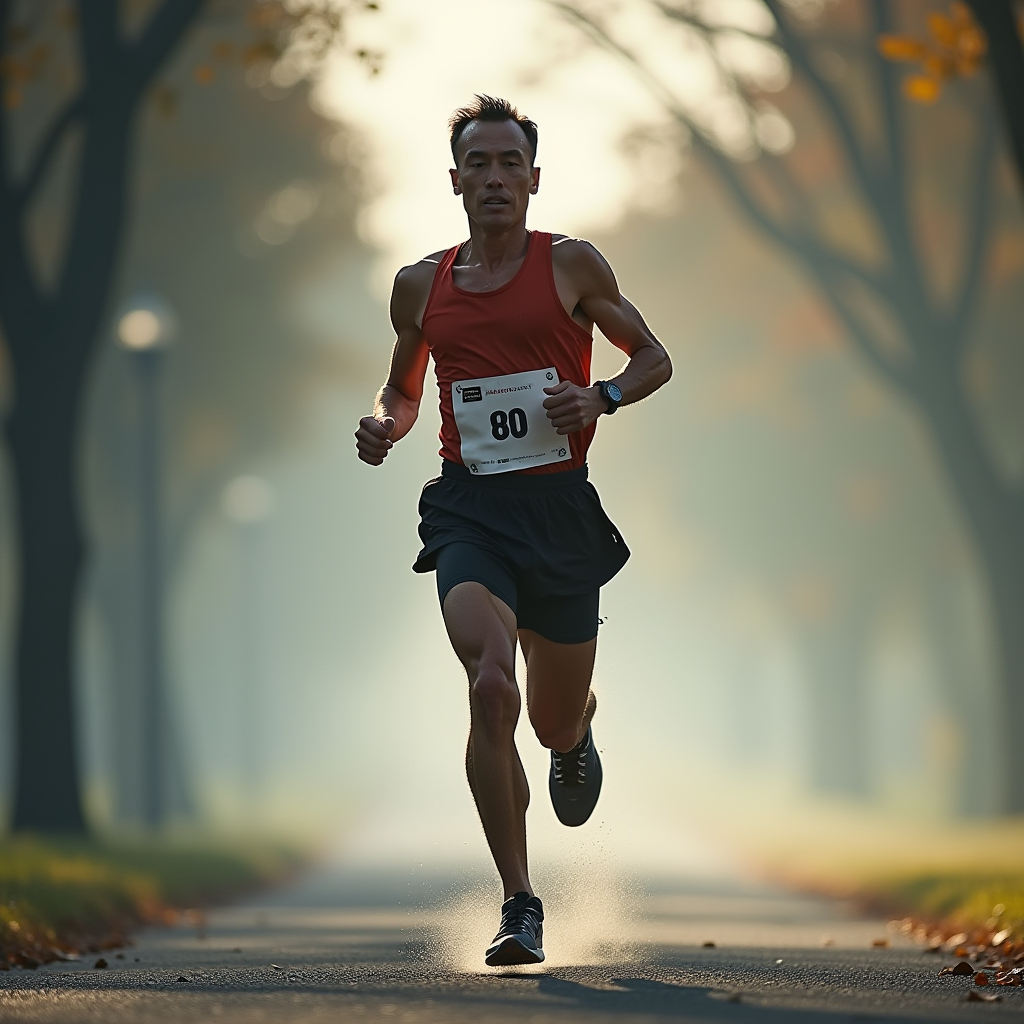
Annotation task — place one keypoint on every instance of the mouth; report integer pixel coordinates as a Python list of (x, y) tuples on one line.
[(495, 201)]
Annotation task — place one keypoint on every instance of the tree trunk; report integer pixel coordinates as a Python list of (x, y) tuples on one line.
[(1006, 61), (42, 439), (1004, 559), (994, 513)]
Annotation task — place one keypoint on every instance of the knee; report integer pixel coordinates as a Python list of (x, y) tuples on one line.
[(494, 697), (556, 735)]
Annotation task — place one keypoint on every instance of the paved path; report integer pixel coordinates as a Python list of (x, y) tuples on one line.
[(348, 945)]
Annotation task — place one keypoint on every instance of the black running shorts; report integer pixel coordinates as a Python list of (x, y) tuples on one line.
[(539, 542)]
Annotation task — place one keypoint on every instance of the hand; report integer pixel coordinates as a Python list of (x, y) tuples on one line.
[(373, 439), (571, 408)]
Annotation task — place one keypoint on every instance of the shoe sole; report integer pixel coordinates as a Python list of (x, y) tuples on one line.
[(511, 952)]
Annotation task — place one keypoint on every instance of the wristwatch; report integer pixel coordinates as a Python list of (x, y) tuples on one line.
[(611, 394)]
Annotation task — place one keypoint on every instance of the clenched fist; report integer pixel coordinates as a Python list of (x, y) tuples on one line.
[(373, 439)]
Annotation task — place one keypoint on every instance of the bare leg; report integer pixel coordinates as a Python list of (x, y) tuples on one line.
[(482, 630), (558, 695)]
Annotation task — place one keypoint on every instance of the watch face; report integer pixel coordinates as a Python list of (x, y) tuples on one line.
[(613, 392)]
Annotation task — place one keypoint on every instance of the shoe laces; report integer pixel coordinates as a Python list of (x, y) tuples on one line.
[(571, 766), (520, 916)]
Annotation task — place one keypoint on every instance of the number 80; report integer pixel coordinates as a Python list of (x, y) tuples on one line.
[(504, 423)]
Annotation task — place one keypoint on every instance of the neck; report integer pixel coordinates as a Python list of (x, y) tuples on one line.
[(492, 249)]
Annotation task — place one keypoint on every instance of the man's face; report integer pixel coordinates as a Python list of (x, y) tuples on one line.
[(494, 176)]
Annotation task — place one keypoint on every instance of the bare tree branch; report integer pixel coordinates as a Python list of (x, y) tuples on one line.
[(73, 110), (861, 336), (652, 82), (158, 39), (795, 46), (675, 14), (824, 264), (978, 232)]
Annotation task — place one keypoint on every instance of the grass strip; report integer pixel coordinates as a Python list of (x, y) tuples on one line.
[(60, 898), (959, 901)]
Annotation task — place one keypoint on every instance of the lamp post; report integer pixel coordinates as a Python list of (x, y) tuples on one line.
[(248, 501), (144, 331)]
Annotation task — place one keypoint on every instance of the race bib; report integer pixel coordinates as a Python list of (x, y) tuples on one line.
[(503, 424)]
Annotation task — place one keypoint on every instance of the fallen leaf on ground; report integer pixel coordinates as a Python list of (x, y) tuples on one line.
[(880, 943), (277, 967), (963, 967), (100, 964), (983, 997), (707, 945), (181, 977), (981, 978)]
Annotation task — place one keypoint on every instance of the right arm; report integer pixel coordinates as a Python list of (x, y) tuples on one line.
[(398, 402)]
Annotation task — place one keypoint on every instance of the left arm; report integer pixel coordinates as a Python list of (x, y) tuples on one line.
[(584, 274)]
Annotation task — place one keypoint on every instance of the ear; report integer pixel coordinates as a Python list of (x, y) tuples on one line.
[(456, 187), (535, 180)]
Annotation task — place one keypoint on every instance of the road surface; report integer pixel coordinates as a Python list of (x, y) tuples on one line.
[(405, 946)]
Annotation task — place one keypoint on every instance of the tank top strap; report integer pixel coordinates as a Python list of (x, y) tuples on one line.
[(442, 276), (538, 277), (538, 258)]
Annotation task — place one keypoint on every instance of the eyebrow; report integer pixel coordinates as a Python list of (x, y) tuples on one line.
[(480, 152)]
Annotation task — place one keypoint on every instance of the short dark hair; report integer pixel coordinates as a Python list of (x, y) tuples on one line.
[(491, 108)]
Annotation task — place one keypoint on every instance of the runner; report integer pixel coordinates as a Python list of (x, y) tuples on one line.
[(514, 532)]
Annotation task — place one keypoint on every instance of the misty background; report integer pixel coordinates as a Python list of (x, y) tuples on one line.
[(804, 623)]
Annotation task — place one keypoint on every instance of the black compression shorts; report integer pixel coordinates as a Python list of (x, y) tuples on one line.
[(540, 542), (563, 619)]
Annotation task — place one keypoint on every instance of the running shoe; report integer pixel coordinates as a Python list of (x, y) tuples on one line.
[(575, 781), (520, 939)]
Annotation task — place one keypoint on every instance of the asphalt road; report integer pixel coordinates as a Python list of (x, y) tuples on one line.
[(348, 945)]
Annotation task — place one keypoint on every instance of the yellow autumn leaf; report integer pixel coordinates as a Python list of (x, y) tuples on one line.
[(922, 88), (900, 48), (942, 29)]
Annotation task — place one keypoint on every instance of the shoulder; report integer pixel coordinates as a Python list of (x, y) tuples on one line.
[(412, 288), (415, 275), (580, 260)]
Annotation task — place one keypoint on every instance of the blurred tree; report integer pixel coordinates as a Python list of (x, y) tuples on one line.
[(1004, 30), (230, 224), (909, 311), (94, 62)]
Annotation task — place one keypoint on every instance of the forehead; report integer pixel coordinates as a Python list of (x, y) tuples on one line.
[(493, 136)]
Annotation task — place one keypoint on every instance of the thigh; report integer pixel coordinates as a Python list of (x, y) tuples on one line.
[(557, 678), (481, 627)]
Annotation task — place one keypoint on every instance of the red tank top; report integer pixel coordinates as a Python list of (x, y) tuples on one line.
[(520, 326)]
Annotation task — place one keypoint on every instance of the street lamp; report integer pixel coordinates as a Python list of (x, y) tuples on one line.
[(144, 330), (247, 502)]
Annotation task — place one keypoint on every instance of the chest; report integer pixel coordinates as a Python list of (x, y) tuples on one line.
[(478, 279)]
